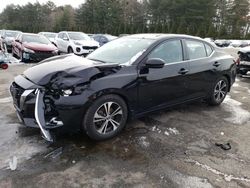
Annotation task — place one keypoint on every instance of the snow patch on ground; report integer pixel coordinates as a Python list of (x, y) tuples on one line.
[(5, 100), (238, 114), (169, 131), (227, 177), (143, 142), (236, 85)]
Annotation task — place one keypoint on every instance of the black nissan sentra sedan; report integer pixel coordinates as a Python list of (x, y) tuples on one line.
[(125, 78)]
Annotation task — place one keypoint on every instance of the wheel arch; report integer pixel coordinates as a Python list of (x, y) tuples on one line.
[(117, 92), (69, 48), (229, 81)]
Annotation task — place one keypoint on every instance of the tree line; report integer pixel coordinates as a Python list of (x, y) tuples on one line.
[(204, 18)]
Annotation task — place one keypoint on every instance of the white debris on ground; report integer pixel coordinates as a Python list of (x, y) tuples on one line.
[(169, 131), (13, 163), (238, 114), (143, 142), (166, 133), (227, 177), (183, 180)]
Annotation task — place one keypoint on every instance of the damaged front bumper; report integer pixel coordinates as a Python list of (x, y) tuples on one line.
[(30, 109), (243, 66), (47, 110), (39, 115)]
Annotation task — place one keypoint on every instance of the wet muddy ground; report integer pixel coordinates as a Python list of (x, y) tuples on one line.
[(171, 148)]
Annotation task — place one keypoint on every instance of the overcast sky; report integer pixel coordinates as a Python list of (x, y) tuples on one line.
[(74, 3)]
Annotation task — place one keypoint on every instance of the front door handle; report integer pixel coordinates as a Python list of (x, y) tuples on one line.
[(183, 71), (216, 64)]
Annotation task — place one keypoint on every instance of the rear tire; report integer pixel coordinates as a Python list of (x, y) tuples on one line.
[(105, 118), (218, 91)]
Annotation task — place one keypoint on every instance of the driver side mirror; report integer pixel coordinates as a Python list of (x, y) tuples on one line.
[(17, 40), (155, 63), (66, 39)]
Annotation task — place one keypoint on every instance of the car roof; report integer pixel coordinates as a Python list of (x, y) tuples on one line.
[(72, 32), (156, 36), (34, 34), (47, 32)]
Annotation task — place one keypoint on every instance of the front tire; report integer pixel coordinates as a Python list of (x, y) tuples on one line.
[(70, 50), (23, 60), (105, 118), (218, 92)]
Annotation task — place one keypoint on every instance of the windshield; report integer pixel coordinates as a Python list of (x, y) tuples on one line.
[(50, 35), (11, 34), (78, 36), (36, 39), (122, 50), (110, 37)]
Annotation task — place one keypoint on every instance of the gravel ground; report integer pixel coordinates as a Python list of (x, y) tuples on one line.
[(171, 148)]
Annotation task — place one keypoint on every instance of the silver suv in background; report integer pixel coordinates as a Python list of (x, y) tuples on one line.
[(75, 42), (8, 37)]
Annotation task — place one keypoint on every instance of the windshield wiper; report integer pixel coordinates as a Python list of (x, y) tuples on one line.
[(96, 60)]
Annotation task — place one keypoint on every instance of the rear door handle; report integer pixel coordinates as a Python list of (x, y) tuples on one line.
[(183, 71), (216, 64)]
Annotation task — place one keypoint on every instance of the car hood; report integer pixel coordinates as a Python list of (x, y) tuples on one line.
[(87, 42), (39, 46), (66, 71), (245, 50), (9, 38)]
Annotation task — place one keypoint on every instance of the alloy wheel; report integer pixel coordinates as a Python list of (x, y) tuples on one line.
[(108, 117), (220, 90)]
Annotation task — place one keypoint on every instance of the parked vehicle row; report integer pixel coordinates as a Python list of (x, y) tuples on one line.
[(127, 77), (230, 43), (36, 47)]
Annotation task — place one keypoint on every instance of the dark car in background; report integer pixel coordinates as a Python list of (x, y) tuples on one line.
[(222, 43), (103, 38), (7, 38), (33, 47), (127, 77), (243, 62)]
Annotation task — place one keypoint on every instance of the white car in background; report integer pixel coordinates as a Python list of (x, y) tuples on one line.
[(49, 35), (75, 42)]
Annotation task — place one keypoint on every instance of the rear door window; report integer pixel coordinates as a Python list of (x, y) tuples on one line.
[(208, 49), (195, 49)]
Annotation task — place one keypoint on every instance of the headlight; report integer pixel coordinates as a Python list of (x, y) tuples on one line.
[(55, 52), (28, 50), (67, 92), (77, 43), (76, 90)]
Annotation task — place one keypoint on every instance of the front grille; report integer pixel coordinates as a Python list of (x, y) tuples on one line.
[(16, 92), (41, 55), (43, 52), (89, 47)]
